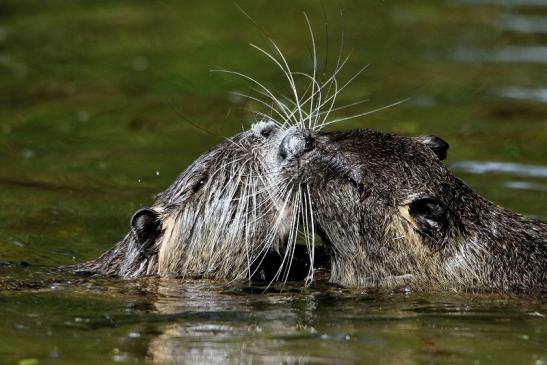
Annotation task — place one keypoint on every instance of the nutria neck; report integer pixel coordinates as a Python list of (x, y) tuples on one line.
[(501, 249), (486, 247)]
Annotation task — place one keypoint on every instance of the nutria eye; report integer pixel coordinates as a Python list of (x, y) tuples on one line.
[(199, 184)]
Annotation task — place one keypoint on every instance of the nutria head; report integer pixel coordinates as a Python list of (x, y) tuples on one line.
[(390, 211), (219, 219)]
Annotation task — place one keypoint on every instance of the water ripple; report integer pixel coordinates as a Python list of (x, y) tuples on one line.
[(510, 168), (510, 54), (520, 93), (534, 3), (525, 185), (523, 24)]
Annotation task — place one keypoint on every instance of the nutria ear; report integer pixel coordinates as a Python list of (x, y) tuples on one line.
[(429, 217), (145, 224), (436, 144)]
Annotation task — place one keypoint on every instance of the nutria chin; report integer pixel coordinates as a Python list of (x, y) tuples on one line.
[(391, 213)]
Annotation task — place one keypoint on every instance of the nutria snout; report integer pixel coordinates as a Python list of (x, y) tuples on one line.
[(295, 143)]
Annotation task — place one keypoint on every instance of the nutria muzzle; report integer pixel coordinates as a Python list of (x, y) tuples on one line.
[(295, 143)]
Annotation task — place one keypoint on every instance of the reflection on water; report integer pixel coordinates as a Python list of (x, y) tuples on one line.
[(508, 168), (87, 122), (534, 3), (169, 321), (512, 54), (525, 185), (523, 24), (525, 94)]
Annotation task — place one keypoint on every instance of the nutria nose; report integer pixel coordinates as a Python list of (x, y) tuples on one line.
[(295, 144)]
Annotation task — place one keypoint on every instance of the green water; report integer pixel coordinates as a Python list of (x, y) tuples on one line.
[(90, 97)]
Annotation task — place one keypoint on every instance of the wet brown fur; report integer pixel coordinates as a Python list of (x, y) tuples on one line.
[(365, 185)]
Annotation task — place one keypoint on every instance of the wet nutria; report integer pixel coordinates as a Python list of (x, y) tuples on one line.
[(391, 213), (387, 208), (226, 216)]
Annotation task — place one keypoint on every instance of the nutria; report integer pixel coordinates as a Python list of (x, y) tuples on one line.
[(391, 213), (221, 218)]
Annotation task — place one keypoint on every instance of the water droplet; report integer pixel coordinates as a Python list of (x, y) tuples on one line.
[(83, 115), (28, 154), (120, 358), (140, 63)]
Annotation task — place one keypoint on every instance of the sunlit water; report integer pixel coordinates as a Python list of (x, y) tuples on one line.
[(90, 97)]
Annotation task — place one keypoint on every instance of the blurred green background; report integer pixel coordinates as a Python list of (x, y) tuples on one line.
[(91, 98)]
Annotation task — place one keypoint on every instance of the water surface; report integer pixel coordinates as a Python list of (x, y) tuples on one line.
[(91, 98)]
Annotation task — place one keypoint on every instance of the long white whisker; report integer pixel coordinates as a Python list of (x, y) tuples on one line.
[(311, 232), (365, 113), (262, 102), (291, 79), (282, 106), (314, 69)]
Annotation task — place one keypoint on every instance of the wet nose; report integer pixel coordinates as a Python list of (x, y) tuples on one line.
[(295, 144)]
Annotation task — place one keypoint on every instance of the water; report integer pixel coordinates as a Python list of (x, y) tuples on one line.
[(90, 129)]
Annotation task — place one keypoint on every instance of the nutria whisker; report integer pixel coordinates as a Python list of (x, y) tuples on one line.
[(266, 189), (364, 113), (287, 73), (314, 94), (345, 106), (295, 231), (270, 107), (335, 93), (312, 110), (266, 246), (290, 240), (283, 107), (288, 119), (309, 234), (275, 199)]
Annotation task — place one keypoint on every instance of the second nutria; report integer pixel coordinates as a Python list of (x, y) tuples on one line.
[(391, 212)]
